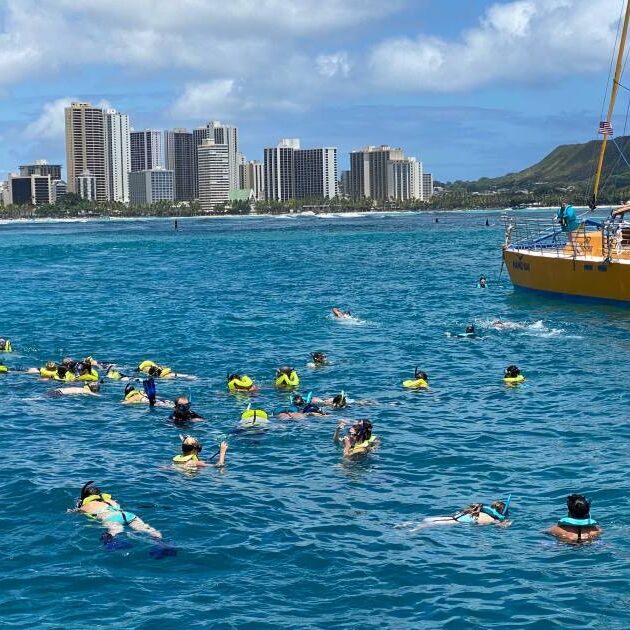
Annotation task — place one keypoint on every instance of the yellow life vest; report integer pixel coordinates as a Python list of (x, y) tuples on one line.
[(3, 369), (252, 416), (182, 459), (44, 373), (165, 372), (113, 375), (7, 346), (284, 381), (512, 380), (132, 393), (415, 383), (245, 383), (104, 497), (68, 377), (359, 448), (145, 365), (92, 376)]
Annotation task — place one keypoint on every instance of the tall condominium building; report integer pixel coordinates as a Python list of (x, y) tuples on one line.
[(178, 153), (31, 190), (85, 186), (316, 173), (279, 167), (147, 151), (150, 186), (86, 144), (213, 174), (251, 177), (404, 179), (295, 173), (41, 167), (221, 134), (118, 152), (59, 189), (427, 186), (369, 173), (344, 183)]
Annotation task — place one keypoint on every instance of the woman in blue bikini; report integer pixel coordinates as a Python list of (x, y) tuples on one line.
[(496, 513)]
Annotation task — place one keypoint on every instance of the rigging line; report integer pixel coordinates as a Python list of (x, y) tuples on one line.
[(621, 152), (612, 59)]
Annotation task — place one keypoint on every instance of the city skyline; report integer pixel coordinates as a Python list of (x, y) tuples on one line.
[(471, 89)]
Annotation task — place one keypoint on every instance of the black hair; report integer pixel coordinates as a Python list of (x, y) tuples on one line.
[(88, 490), (470, 328), (154, 370), (231, 377), (129, 388), (420, 374), (62, 370), (512, 371), (578, 505), (364, 431), (189, 448), (339, 401)]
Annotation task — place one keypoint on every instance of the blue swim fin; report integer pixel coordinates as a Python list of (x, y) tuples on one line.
[(150, 390), (111, 543)]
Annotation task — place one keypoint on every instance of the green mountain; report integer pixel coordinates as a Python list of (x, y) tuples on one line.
[(567, 165)]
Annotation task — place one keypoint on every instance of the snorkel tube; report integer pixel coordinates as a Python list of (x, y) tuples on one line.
[(507, 505)]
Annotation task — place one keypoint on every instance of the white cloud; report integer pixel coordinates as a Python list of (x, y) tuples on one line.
[(50, 125), (330, 66), (525, 41), (212, 99)]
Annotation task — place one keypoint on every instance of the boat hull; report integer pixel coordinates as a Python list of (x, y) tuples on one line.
[(582, 278)]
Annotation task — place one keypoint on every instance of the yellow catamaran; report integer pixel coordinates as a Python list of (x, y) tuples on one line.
[(590, 261)]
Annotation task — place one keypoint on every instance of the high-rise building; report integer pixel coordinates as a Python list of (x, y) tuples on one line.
[(427, 186), (147, 151), (344, 183), (213, 174), (86, 142), (252, 178), (279, 167), (41, 167), (315, 173), (179, 158), (59, 189), (150, 186), (405, 179), (86, 186), (118, 152), (30, 190), (221, 134)]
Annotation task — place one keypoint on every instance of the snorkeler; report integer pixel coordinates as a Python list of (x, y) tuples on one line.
[(5, 345), (300, 407), (482, 283), (286, 378), (89, 389), (155, 370), (191, 447), (476, 514), (513, 375), (319, 359), (241, 384), (102, 506), (182, 413), (339, 314), (578, 526), (359, 439), (420, 380), (135, 396)]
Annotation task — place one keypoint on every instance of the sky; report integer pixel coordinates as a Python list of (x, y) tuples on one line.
[(471, 87)]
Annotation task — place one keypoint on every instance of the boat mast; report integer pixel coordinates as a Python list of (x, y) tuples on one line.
[(613, 97)]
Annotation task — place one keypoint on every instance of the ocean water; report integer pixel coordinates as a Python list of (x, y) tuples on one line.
[(290, 535)]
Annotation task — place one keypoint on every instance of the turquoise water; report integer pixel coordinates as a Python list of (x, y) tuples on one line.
[(289, 535)]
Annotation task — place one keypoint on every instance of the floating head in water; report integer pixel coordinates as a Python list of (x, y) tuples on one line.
[(190, 444), (512, 371), (579, 506)]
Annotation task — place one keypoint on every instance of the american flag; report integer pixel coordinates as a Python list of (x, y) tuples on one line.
[(605, 128)]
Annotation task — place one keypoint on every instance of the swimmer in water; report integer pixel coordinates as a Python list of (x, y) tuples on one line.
[(475, 514), (339, 314), (89, 389), (182, 413), (483, 283), (103, 507), (5, 345), (135, 396), (158, 371), (358, 440), (319, 359), (300, 407), (578, 527), (189, 458)]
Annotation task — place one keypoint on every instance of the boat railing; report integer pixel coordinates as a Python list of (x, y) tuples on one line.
[(540, 234)]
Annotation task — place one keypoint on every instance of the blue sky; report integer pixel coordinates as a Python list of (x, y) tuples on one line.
[(471, 87)]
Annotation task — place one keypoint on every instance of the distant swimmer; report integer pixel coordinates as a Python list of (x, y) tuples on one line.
[(338, 313), (3, 369), (496, 513), (300, 407), (419, 381), (115, 375), (482, 283), (241, 383), (182, 413), (358, 440), (319, 359), (286, 378), (513, 375), (189, 457), (5, 345), (135, 396), (578, 526), (105, 508), (469, 333), (53, 372), (487, 223), (253, 419), (89, 389), (156, 371)]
